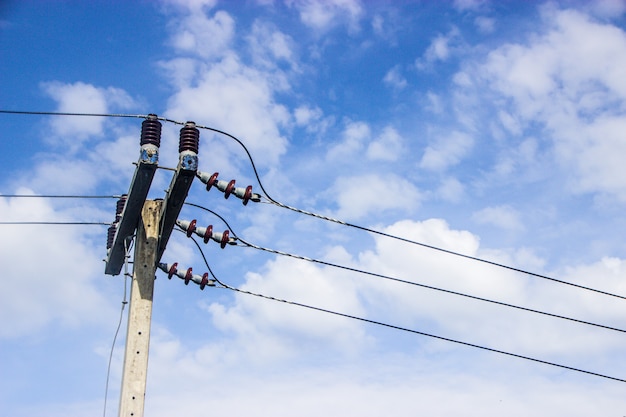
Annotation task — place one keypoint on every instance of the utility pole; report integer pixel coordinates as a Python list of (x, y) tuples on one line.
[(134, 376), (153, 222)]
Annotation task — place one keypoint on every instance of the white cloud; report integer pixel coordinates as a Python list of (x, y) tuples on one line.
[(447, 151), (395, 79), (570, 81), (64, 291), (270, 46), (485, 24), (607, 8), (387, 146), (312, 119), (80, 97), (203, 36), (451, 189), (195, 6), (300, 282), (463, 5), (355, 135), (304, 115), (180, 71), (441, 48), (504, 217), (322, 16), (359, 196), (435, 103), (232, 94)]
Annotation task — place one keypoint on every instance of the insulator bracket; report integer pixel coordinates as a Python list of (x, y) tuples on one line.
[(228, 187), (206, 233), (187, 275)]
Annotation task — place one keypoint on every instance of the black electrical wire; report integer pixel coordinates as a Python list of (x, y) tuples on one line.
[(403, 281), (57, 196), (59, 223), (330, 219), (55, 113), (402, 239), (404, 329)]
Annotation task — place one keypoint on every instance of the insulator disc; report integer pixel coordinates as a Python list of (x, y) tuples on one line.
[(229, 188), (208, 234), (247, 195), (151, 131), (110, 236), (120, 205), (225, 239), (212, 181), (172, 270), (191, 228), (205, 280)]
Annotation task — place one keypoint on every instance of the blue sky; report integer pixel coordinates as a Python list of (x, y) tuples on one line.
[(492, 129)]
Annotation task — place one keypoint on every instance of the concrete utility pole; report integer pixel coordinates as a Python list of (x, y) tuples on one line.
[(154, 222), (140, 312)]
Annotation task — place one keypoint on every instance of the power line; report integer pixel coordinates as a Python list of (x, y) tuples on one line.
[(417, 284), (402, 239), (55, 113), (58, 223), (446, 339), (403, 281), (388, 235), (404, 329), (279, 204), (56, 196), (330, 219)]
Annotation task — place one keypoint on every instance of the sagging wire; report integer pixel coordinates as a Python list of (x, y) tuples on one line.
[(322, 217), (235, 239), (127, 248), (394, 327), (399, 238)]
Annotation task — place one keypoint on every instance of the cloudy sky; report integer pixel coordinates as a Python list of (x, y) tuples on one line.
[(495, 130)]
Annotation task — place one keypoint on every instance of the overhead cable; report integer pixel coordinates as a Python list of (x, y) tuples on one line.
[(399, 238), (322, 217), (58, 223), (56, 196), (404, 329), (235, 238)]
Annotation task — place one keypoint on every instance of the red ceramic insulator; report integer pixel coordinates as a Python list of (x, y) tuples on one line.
[(247, 195), (212, 181), (172, 270), (224, 239), (208, 233), (229, 188), (205, 280), (188, 276), (191, 228)]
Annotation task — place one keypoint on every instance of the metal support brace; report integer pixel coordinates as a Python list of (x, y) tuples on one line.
[(139, 187), (175, 198)]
